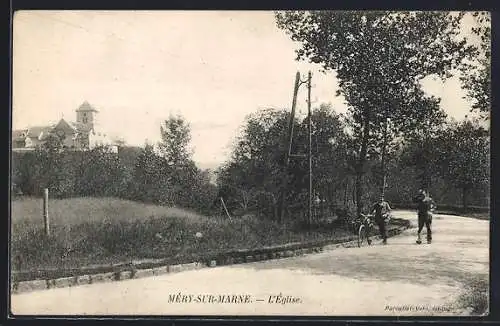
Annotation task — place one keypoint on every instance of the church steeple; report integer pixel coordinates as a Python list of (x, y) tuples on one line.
[(85, 115)]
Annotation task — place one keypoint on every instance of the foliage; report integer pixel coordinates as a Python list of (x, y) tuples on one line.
[(100, 173), (464, 150), (429, 157), (476, 74), (167, 177), (383, 83), (175, 138), (135, 231), (255, 169), (251, 180)]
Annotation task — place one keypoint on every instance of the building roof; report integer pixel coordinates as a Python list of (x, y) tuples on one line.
[(80, 126), (19, 134), (63, 124), (39, 131), (32, 132), (86, 107)]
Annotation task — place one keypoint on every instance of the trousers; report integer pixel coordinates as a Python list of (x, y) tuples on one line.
[(382, 226), (425, 219)]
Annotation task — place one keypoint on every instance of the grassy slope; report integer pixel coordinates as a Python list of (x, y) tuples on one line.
[(87, 209), (86, 231)]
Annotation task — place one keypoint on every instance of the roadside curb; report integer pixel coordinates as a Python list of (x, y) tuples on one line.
[(132, 271)]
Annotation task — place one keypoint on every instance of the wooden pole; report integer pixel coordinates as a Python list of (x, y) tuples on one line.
[(225, 208), (46, 220), (287, 155), (309, 114)]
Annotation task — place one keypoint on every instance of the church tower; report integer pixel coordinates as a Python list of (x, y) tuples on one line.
[(86, 116)]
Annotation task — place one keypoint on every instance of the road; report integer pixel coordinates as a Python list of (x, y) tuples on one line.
[(401, 278)]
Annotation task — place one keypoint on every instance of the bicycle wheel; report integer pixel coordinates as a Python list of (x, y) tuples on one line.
[(362, 240)]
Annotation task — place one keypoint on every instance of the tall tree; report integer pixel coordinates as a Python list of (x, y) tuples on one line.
[(150, 177), (259, 152), (253, 176), (175, 138), (329, 152), (476, 74), (100, 172), (55, 168), (464, 154), (380, 59)]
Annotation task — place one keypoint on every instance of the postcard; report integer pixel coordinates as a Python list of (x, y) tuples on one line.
[(250, 163)]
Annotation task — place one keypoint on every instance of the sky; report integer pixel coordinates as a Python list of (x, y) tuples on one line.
[(212, 67)]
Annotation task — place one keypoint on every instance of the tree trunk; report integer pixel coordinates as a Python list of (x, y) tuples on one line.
[(277, 211), (361, 166), (383, 161), (345, 192), (465, 191)]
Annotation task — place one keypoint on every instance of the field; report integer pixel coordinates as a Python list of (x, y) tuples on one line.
[(93, 231)]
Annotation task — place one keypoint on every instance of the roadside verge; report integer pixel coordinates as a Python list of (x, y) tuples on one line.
[(22, 282)]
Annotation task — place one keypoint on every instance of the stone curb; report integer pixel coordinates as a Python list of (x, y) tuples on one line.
[(130, 272)]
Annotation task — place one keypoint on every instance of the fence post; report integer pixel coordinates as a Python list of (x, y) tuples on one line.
[(46, 221)]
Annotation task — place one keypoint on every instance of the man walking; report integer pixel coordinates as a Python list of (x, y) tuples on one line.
[(381, 211), (425, 207)]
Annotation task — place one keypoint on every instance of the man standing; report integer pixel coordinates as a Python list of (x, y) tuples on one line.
[(425, 207), (381, 211)]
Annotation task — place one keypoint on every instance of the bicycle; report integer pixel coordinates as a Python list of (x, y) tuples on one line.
[(363, 226)]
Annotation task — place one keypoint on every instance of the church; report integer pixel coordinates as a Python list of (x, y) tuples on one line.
[(84, 134)]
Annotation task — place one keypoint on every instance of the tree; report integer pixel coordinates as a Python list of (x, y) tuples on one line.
[(54, 169), (252, 178), (329, 152), (476, 74), (175, 138), (464, 150), (151, 178), (26, 172), (101, 173), (420, 144), (260, 153), (383, 82), (254, 172)]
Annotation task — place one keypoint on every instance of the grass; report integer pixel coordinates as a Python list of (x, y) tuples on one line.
[(90, 231), (75, 211), (474, 297)]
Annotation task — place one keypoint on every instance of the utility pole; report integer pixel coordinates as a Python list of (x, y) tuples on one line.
[(310, 144), (287, 155)]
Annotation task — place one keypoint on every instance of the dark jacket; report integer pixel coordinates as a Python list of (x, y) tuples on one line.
[(425, 205), (380, 209)]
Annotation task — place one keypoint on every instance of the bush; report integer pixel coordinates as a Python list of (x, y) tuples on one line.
[(100, 173)]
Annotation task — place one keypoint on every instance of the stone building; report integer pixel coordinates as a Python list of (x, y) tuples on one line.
[(83, 134)]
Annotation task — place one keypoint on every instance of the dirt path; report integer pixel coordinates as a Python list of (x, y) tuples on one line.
[(401, 278)]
